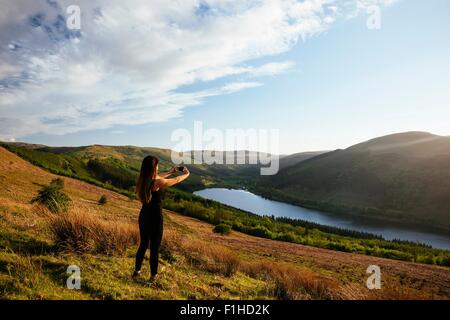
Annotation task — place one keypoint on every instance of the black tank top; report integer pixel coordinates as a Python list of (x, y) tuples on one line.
[(155, 204)]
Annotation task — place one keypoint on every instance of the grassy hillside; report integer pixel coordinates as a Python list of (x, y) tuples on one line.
[(126, 161), (296, 158), (93, 161), (404, 177), (284, 229), (198, 263)]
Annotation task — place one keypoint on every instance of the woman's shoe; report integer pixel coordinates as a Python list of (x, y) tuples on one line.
[(136, 274), (153, 278)]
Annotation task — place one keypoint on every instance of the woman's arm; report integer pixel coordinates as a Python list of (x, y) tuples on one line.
[(168, 173), (166, 183), (164, 174)]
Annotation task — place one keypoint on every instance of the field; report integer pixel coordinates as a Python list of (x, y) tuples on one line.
[(198, 263)]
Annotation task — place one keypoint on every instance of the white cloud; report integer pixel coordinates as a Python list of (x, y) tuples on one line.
[(130, 58), (83, 74), (328, 19), (271, 69), (238, 86), (7, 70)]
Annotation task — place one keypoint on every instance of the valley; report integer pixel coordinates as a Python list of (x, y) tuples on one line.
[(199, 264)]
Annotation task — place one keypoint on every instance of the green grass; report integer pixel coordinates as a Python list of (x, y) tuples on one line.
[(36, 269)]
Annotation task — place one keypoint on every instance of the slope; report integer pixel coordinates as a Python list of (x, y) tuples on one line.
[(404, 177), (199, 264)]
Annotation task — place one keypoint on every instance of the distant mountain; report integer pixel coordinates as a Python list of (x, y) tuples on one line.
[(25, 145), (411, 144), (120, 165), (403, 177)]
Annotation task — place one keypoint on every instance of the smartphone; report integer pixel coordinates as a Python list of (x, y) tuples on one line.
[(180, 168)]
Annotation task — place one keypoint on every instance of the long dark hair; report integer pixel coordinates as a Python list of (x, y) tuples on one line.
[(146, 178)]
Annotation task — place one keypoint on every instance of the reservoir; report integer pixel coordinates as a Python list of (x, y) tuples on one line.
[(248, 201)]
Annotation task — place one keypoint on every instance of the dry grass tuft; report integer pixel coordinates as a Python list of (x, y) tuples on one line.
[(212, 258), (40, 210), (291, 283), (171, 243), (77, 231)]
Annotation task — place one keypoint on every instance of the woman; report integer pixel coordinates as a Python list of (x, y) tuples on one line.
[(150, 190)]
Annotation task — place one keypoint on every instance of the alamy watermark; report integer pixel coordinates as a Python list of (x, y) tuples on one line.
[(373, 22), (73, 21), (74, 279), (374, 280), (234, 146)]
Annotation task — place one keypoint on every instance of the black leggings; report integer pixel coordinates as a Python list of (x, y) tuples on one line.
[(151, 232)]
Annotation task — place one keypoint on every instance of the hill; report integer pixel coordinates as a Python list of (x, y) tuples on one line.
[(403, 177), (120, 165), (295, 158), (199, 264), (296, 231)]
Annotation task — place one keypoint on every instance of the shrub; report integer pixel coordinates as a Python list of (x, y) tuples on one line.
[(288, 237), (260, 231), (222, 228), (446, 261), (103, 199), (338, 246), (53, 197)]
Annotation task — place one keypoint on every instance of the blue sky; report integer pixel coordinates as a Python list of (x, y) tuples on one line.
[(325, 84)]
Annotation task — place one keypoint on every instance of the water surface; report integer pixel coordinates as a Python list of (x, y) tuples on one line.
[(248, 201)]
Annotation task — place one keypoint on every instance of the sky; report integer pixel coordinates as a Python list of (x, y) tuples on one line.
[(136, 71)]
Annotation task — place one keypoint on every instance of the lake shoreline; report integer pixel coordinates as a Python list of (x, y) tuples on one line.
[(418, 225), (364, 218), (376, 227)]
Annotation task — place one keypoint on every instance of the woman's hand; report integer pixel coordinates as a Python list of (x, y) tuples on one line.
[(166, 183), (173, 170), (168, 173)]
